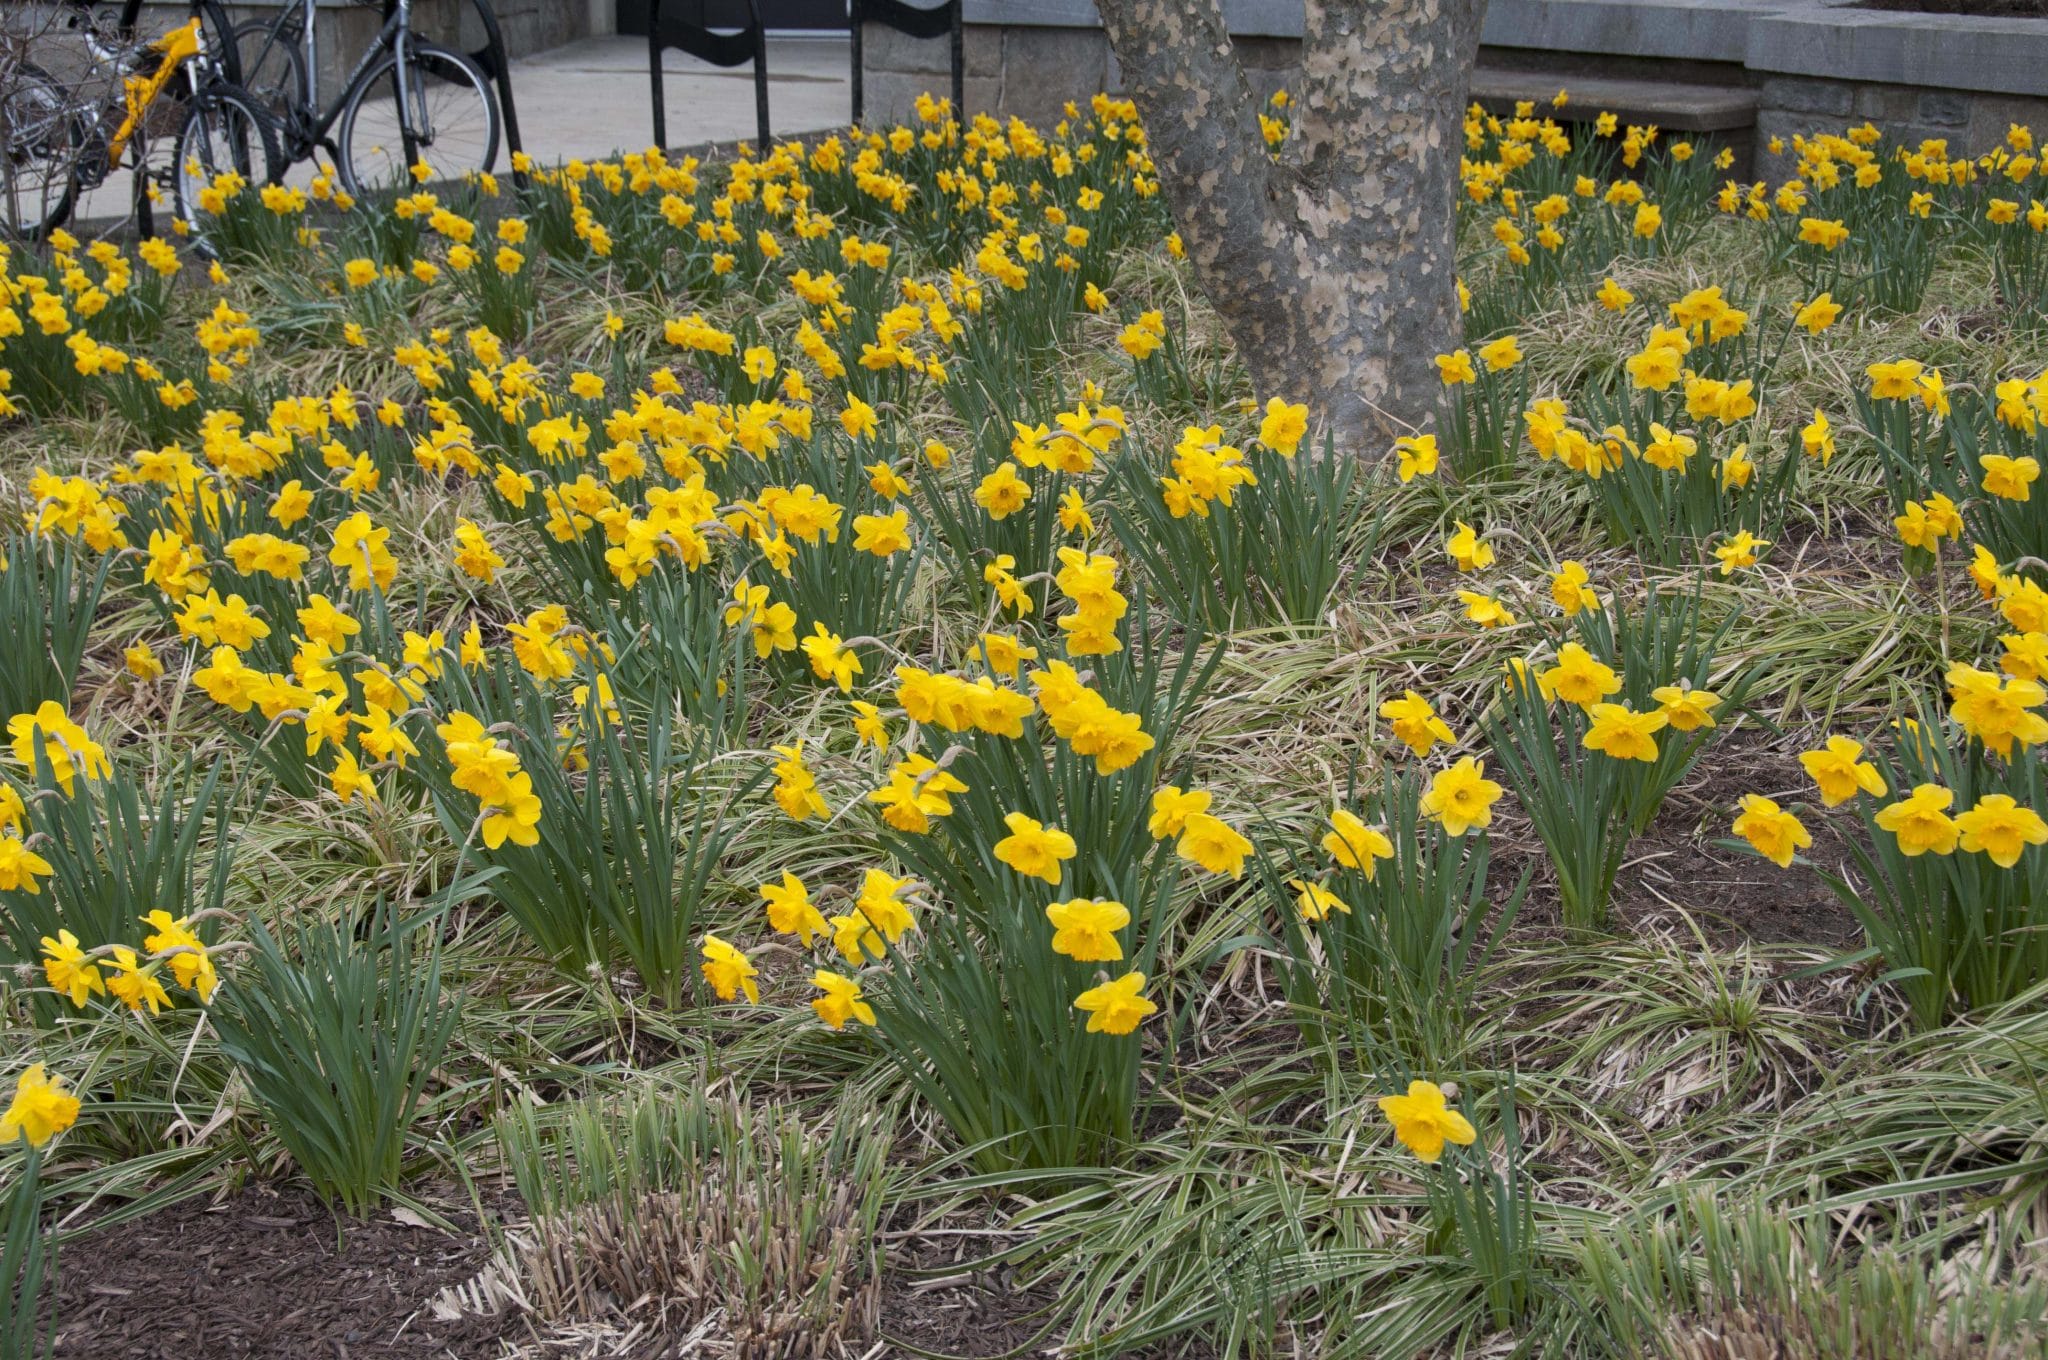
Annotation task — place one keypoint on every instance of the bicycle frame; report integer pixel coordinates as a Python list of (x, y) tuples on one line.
[(175, 48), (309, 123)]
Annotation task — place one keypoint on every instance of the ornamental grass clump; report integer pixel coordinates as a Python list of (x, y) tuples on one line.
[(684, 1211), (1707, 1277)]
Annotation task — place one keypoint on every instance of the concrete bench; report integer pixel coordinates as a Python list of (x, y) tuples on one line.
[(1729, 110)]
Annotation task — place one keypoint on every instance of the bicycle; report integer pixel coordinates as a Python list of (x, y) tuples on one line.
[(56, 143), (408, 100)]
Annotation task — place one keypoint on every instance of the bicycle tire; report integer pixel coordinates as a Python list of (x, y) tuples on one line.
[(52, 204), (466, 135), (224, 129), (220, 38), (273, 69)]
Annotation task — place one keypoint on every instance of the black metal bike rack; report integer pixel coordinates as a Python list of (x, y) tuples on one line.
[(497, 64), (933, 22), (667, 28)]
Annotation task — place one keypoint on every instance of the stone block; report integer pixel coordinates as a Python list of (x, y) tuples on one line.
[(1944, 109), (892, 96), (1695, 30), (983, 94), (1784, 126), (1939, 51), (1677, 106), (1991, 115), (884, 49), (1970, 124), (1821, 98), (1033, 13), (1778, 66), (1046, 68), (887, 49), (1282, 55), (1886, 105), (1264, 18), (529, 25)]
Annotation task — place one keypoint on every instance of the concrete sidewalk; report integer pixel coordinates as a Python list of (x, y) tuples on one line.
[(591, 99)]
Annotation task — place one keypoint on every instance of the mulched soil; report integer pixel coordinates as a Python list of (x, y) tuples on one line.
[(933, 1304), (1678, 869), (1983, 9), (1736, 896), (269, 1271)]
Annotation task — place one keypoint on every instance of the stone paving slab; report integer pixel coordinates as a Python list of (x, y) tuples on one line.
[(590, 98)]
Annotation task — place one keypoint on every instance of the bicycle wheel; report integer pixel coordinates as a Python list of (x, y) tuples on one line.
[(42, 139), (223, 130), (454, 120), (273, 70), (219, 31)]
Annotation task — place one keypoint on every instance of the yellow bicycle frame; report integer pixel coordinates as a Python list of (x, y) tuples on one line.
[(138, 92)]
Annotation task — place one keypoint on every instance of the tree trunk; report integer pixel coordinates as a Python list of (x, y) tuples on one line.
[(1334, 268)]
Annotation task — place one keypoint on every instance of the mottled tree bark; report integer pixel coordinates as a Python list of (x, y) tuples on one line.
[(1334, 267)]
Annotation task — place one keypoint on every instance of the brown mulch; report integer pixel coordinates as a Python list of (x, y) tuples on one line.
[(935, 1303), (269, 1271), (1678, 870), (1735, 896), (979, 1313)]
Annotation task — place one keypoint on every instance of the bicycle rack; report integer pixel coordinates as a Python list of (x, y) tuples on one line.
[(938, 20), (666, 29), (497, 64)]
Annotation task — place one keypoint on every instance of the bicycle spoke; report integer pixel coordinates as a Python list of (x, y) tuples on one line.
[(452, 126)]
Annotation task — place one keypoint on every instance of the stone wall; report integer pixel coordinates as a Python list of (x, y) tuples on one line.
[(1968, 121), (1915, 75), (1045, 67), (1809, 63), (1029, 71)]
